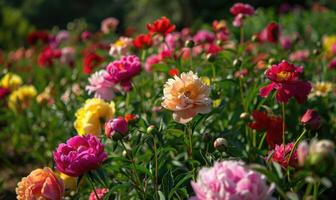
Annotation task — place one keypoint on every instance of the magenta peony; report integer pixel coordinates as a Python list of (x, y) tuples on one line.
[(122, 71), (79, 155), (228, 180), (117, 125)]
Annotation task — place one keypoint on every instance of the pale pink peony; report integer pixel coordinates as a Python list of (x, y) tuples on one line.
[(228, 180), (121, 46), (186, 96), (109, 24), (102, 88)]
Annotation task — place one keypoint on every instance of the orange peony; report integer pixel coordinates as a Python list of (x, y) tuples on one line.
[(186, 95), (41, 184)]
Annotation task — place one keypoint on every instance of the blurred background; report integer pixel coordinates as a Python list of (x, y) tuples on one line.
[(17, 17)]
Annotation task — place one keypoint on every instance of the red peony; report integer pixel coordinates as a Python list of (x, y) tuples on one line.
[(161, 26), (240, 8), (272, 124), (47, 56), (143, 41), (311, 118), (4, 92), (281, 154), (285, 80), (270, 34), (36, 36), (90, 61)]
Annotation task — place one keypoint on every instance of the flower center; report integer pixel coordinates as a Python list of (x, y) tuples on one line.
[(119, 43), (283, 76)]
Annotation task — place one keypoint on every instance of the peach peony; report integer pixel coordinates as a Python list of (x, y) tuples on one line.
[(40, 184), (186, 95)]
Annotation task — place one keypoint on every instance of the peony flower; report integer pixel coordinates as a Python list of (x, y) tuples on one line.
[(204, 36), (47, 96), (40, 184), (91, 117), (47, 56), (285, 80), (150, 61), (302, 152), (186, 96), (79, 155), (328, 43), (70, 183), (281, 154), (122, 71), (286, 42), (3, 92), (120, 47), (20, 98), (90, 61), (62, 36), (109, 25), (240, 11), (300, 55), (173, 72), (68, 56), (116, 127), (270, 34), (11, 81), (161, 26), (332, 64), (36, 36), (86, 35), (100, 192), (228, 180), (143, 41), (271, 124), (102, 88), (311, 118)]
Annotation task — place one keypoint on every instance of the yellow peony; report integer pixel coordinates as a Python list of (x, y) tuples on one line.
[(70, 183), (11, 81), (321, 89), (20, 98), (91, 117), (328, 42)]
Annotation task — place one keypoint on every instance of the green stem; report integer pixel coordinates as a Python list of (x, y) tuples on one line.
[(296, 143), (93, 187), (315, 190), (308, 190), (283, 122), (241, 35), (138, 182), (190, 149), (156, 168), (262, 141)]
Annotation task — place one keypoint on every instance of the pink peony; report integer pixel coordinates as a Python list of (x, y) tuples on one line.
[(270, 33), (102, 88), (79, 155), (281, 153), (150, 61), (117, 125), (204, 36), (100, 192), (332, 64), (285, 80), (228, 180), (311, 118), (109, 24), (122, 71), (240, 11), (68, 56), (300, 55)]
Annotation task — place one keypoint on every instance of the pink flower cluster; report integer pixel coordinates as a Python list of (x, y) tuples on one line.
[(228, 180), (79, 155), (122, 71)]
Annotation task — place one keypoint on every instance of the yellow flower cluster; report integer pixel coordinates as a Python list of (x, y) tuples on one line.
[(90, 119), (20, 98), (321, 89), (11, 81)]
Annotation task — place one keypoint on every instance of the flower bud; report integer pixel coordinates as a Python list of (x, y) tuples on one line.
[(116, 128), (151, 129), (316, 52), (311, 118), (244, 115), (271, 61), (219, 42), (302, 152), (210, 57), (237, 62), (254, 38), (189, 43), (220, 144)]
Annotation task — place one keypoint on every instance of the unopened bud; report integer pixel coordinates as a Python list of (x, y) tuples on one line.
[(189, 43), (210, 57), (316, 52), (151, 129), (237, 62), (244, 115), (271, 61), (116, 128), (220, 144)]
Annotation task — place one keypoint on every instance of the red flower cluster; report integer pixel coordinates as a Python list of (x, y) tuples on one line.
[(90, 61), (47, 56), (272, 124), (161, 26), (285, 80), (143, 41), (36, 36), (270, 34)]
